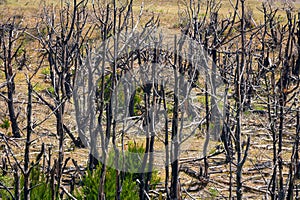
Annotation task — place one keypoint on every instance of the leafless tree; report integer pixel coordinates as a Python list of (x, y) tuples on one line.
[(13, 56), (62, 41)]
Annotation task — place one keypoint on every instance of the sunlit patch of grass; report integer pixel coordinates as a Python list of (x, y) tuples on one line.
[(213, 192), (51, 90), (45, 71), (202, 99), (258, 107), (39, 87)]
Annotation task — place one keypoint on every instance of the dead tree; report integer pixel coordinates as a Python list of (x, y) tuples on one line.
[(281, 88), (11, 33), (61, 43), (98, 84)]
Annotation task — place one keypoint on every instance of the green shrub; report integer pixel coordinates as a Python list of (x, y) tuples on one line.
[(91, 184), (137, 101), (134, 156), (41, 189), (5, 124), (8, 182), (129, 187)]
